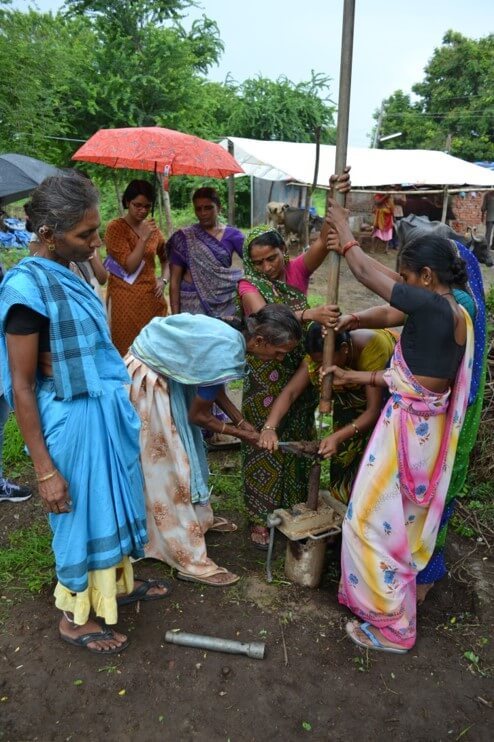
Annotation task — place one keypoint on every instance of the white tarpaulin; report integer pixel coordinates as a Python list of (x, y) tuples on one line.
[(370, 167)]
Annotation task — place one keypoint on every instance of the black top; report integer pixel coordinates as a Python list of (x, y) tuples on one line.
[(22, 320), (428, 337)]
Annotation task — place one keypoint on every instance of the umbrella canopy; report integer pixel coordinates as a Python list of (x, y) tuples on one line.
[(154, 148), (19, 176)]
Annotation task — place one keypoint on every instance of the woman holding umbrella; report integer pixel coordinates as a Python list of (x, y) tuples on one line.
[(135, 294)]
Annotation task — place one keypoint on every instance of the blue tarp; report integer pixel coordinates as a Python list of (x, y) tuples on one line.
[(16, 236)]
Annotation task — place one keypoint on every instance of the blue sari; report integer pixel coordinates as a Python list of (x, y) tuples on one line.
[(89, 425)]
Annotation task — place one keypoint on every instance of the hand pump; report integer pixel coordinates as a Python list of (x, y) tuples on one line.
[(340, 162)]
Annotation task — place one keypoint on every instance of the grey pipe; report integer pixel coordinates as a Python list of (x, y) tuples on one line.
[(271, 522), (255, 650)]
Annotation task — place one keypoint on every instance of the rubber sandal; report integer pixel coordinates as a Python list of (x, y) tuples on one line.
[(207, 580), (259, 530), (95, 636), (222, 525), (141, 592), (375, 643)]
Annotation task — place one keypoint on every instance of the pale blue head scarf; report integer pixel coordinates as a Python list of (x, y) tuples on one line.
[(192, 349)]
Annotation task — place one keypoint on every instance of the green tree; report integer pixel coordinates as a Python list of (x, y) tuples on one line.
[(454, 109), (281, 109), (149, 68), (46, 87), (417, 131)]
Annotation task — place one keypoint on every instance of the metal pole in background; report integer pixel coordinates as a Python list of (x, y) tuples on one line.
[(340, 162), (231, 190)]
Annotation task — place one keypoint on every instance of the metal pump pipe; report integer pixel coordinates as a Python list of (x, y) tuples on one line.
[(255, 650)]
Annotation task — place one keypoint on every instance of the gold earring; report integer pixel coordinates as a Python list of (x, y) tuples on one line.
[(51, 246)]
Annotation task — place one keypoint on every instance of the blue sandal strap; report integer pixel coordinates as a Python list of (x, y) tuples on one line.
[(365, 628)]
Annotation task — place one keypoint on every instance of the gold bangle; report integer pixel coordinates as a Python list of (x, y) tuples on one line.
[(356, 431), (268, 427), (302, 317), (223, 429), (46, 477), (240, 423)]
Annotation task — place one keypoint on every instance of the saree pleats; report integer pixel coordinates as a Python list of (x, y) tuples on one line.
[(176, 526), (397, 502)]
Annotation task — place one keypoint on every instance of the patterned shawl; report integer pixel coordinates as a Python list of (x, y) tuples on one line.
[(273, 292)]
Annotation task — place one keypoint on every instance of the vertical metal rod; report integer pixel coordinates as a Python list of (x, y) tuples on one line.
[(231, 190), (445, 205), (340, 162)]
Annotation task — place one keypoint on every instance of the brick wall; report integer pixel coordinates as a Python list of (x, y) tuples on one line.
[(466, 208)]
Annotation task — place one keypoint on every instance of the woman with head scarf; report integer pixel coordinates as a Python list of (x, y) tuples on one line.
[(275, 479), (179, 366)]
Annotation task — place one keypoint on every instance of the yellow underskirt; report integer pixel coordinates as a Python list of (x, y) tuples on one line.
[(100, 595)]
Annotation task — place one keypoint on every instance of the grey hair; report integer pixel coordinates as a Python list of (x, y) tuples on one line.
[(61, 201), (275, 323)]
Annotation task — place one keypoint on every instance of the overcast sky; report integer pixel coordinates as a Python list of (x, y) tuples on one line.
[(393, 42)]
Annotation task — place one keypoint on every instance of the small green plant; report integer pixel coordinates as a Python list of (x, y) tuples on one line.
[(27, 562), (362, 662), (15, 459), (227, 487)]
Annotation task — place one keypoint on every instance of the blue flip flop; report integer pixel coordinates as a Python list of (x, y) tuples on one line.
[(375, 643)]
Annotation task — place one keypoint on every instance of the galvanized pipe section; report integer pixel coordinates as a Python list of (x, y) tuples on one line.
[(255, 650), (340, 162)]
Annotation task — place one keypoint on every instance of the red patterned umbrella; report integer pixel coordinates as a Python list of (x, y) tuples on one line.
[(165, 151)]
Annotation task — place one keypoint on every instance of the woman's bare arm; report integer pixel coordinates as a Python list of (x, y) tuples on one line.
[(176, 275), (23, 357)]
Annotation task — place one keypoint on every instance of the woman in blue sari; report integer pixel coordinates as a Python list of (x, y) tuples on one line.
[(65, 380)]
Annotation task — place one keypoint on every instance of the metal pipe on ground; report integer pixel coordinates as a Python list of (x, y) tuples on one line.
[(255, 650)]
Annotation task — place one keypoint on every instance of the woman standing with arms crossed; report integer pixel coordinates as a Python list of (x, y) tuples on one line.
[(134, 294), (66, 383)]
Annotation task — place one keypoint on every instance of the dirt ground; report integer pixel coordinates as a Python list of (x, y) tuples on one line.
[(313, 682)]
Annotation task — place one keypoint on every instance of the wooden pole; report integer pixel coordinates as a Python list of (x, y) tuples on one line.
[(340, 162), (311, 189), (445, 205), (167, 208), (231, 191)]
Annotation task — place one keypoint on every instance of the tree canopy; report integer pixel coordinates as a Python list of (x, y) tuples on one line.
[(454, 109), (113, 63)]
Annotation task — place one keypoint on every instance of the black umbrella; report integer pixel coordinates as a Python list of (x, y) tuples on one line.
[(19, 175)]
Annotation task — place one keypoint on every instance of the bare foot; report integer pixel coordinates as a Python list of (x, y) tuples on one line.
[(259, 535), (422, 591), (72, 631)]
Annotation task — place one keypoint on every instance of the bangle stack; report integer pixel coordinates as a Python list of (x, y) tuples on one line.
[(356, 431), (240, 423), (348, 246), (268, 427), (46, 477)]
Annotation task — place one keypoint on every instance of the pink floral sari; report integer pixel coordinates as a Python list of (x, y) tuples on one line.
[(391, 525)]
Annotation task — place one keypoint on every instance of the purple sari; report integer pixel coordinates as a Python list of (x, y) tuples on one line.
[(209, 261)]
